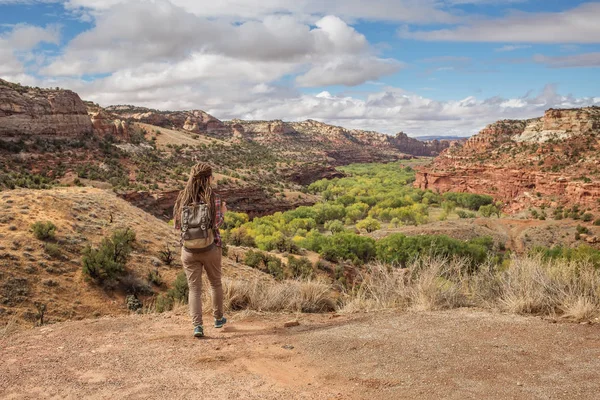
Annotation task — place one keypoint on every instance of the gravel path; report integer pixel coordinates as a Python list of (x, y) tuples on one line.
[(459, 354)]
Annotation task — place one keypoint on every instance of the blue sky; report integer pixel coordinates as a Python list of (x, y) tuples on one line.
[(427, 67)]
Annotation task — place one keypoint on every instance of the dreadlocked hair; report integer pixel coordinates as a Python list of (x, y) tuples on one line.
[(197, 189)]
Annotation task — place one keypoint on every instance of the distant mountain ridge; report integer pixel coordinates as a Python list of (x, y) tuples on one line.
[(309, 132)]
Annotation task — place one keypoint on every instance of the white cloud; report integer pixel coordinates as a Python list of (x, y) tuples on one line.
[(577, 25), (349, 71), (572, 61), (511, 47), (416, 11), (16, 47), (166, 42)]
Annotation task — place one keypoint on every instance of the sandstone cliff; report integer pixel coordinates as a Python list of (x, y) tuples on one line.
[(551, 160), (27, 111), (196, 121)]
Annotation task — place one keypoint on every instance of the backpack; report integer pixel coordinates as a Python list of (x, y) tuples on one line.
[(197, 232)]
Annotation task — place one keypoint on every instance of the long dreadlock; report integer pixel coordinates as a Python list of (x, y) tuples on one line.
[(197, 189)]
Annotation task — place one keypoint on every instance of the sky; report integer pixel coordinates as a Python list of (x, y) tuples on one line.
[(424, 67)]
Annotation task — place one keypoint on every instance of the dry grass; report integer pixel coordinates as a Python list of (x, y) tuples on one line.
[(290, 296), (9, 328), (529, 286)]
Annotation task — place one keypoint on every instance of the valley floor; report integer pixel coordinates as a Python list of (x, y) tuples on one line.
[(459, 354)]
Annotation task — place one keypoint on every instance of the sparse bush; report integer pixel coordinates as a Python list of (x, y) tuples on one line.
[(133, 303), (52, 250), (465, 214), (587, 217), (300, 267), (44, 230), (154, 278), (180, 290), (491, 209), (163, 303), (166, 256), (107, 262)]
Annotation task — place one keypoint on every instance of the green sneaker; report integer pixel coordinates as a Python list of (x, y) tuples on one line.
[(220, 322), (198, 331)]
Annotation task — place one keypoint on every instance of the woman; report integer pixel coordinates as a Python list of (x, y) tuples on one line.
[(198, 190)]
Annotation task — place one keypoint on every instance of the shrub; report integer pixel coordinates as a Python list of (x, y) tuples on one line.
[(180, 290), (300, 267), (52, 250), (107, 262), (469, 200), (44, 230), (166, 255), (348, 246), (399, 249), (154, 278), (163, 303), (253, 258), (489, 210), (465, 214), (582, 229), (275, 268), (334, 226), (369, 224), (587, 217)]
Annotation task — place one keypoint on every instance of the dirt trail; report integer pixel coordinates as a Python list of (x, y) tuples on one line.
[(460, 354)]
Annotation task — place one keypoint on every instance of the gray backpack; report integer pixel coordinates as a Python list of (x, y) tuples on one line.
[(197, 231)]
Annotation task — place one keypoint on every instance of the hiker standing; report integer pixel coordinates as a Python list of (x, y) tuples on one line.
[(198, 213)]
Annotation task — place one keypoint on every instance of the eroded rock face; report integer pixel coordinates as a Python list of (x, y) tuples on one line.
[(545, 161), (196, 121), (106, 124), (41, 112)]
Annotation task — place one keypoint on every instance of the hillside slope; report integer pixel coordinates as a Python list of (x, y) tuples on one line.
[(446, 355), (30, 273)]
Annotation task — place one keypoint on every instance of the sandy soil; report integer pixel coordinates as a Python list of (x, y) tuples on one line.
[(460, 354)]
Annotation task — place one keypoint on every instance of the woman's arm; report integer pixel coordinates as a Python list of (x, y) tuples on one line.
[(220, 210)]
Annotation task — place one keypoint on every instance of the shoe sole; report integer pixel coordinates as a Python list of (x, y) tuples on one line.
[(198, 335), (220, 326)]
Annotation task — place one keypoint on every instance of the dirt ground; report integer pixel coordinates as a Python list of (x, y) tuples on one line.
[(459, 354)]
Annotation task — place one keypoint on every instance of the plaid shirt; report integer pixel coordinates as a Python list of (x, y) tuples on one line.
[(219, 221)]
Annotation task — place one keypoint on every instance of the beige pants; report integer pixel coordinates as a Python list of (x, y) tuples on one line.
[(193, 263)]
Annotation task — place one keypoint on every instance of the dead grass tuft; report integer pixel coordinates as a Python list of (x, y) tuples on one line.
[(529, 286), (290, 296)]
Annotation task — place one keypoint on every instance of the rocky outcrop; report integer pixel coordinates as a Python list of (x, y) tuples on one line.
[(106, 124), (27, 111), (552, 160), (196, 121), (311, 173)]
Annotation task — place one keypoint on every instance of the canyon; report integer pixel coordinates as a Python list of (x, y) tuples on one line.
[(52, 135), (547, 161)]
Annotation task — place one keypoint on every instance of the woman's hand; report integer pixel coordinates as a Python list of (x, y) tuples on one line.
[(223, 207)]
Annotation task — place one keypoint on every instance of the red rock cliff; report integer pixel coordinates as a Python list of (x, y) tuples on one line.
[(41, 112)]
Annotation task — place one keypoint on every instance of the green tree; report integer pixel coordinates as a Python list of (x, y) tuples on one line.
[(334, 226), (369, 224)]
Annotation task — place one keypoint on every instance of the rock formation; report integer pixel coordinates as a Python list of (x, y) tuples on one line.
[(552, 160), (27, 111), (196, 121)]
